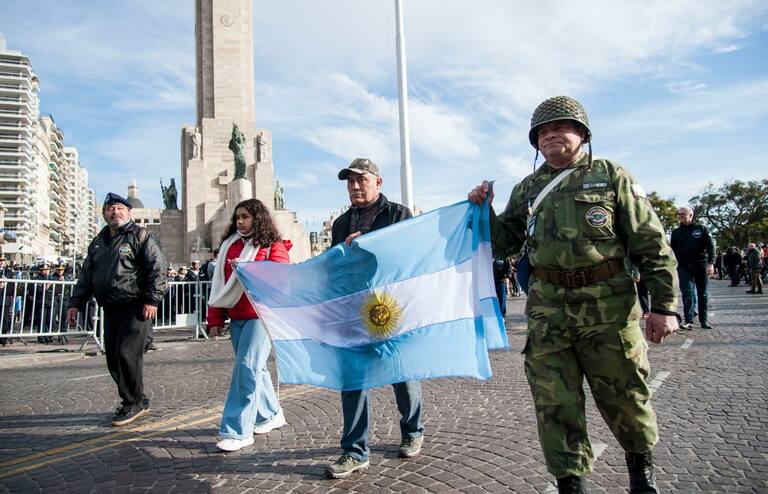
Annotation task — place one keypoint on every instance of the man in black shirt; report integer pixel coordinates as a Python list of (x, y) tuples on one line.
[(695, 253)]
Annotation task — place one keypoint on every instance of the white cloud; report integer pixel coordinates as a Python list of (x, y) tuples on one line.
[(727, 108), (687, 87)]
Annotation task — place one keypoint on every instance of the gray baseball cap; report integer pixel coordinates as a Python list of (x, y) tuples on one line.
[(359, 165)]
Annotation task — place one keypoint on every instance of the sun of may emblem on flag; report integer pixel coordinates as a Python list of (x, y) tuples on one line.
[(381, 313)]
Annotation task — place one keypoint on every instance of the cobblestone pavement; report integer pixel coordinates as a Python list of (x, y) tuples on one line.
[(55, 434)]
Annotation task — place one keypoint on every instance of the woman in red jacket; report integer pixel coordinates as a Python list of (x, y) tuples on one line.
[(252, 406)]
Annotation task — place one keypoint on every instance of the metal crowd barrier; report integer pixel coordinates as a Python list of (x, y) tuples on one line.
[(184, 306), (38, 309)]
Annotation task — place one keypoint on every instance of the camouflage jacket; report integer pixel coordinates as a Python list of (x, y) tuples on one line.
[(595, 214)]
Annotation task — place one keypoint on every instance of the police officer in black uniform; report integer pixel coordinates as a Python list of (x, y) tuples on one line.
[(125, 270), (695, 253)]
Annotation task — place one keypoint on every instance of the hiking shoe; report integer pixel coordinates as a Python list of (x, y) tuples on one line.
[(231, 444), (344, 466), (151, 348), (410, 447), (277, 421), (127, 414), (687, 326), (706, 325)]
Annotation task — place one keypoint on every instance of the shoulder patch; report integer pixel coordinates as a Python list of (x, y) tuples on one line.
[(638, 191)]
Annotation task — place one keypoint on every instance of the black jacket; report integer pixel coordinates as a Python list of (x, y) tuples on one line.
[(390, 213), (732, 259), (129, 267), (692, 244)]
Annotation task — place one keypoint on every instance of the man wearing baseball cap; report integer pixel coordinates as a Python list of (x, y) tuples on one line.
[(370, 210), (125, 271)]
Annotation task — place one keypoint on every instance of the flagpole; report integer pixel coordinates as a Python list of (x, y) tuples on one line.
[(406, 175)]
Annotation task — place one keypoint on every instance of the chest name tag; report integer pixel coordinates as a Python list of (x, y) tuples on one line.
[(597, 185)]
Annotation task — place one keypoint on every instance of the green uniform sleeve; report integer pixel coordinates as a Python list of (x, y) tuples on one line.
[(508, 228), (646, 243)]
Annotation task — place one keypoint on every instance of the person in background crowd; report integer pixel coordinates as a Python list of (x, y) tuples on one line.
[(765, 262), (193, 274), (695, 253), (124, 269), (513, 283), (40, 301), (182, 274), (719, 264), (756, 267), (252, 406), (210, 266), (502, 273), (732, 262)]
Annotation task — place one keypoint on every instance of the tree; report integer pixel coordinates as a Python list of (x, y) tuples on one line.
[(665, 209), (736, 212)]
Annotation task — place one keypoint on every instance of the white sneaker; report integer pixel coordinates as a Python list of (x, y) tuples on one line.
[(231, 444), (277, 421)]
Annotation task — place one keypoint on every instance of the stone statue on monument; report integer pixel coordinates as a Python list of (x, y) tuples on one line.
[(169, 195), (279, 200), (237, 146), (195, 144), (261, 148)]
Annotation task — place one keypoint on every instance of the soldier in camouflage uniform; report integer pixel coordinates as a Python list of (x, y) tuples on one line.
[(583, 312)]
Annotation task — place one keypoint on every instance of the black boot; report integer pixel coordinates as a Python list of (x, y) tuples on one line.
[(642, 478), (571, 485)]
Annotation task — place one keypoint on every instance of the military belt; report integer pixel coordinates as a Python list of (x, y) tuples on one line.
[(577, 278)]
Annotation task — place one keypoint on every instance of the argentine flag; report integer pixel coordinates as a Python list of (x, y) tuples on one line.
[(415, 300)]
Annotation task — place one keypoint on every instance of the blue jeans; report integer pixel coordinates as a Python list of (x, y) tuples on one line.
[(693, 286), (251, 399), (355, 405)]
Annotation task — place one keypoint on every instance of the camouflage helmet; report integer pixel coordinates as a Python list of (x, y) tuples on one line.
[(557, 108)]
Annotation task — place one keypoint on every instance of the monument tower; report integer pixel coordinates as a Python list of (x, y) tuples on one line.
[(225, 96)]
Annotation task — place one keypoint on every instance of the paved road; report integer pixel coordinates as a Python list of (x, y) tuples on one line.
[(55, 434)]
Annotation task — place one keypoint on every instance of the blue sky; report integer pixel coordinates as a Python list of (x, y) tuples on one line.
[(676, 91)]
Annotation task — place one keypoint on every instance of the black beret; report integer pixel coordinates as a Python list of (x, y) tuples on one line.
[(113, 198)]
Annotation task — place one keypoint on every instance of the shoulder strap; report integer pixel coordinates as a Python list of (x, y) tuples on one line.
[(546, 190), (551, 185)]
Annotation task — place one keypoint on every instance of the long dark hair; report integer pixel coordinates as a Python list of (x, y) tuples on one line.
[(265, 231)]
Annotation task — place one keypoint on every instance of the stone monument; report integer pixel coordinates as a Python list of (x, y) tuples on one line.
[(225, 104)]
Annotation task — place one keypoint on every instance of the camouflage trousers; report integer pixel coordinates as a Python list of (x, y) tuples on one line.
[(614, 360)]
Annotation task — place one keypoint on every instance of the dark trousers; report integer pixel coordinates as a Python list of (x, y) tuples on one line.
[(125, 332), (733, 274), (689, 275), (501, 294)]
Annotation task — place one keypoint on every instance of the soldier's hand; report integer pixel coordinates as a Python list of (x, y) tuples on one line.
[(351, 237), (149, 312), (72, 316), (481, 193), (659, 326)]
